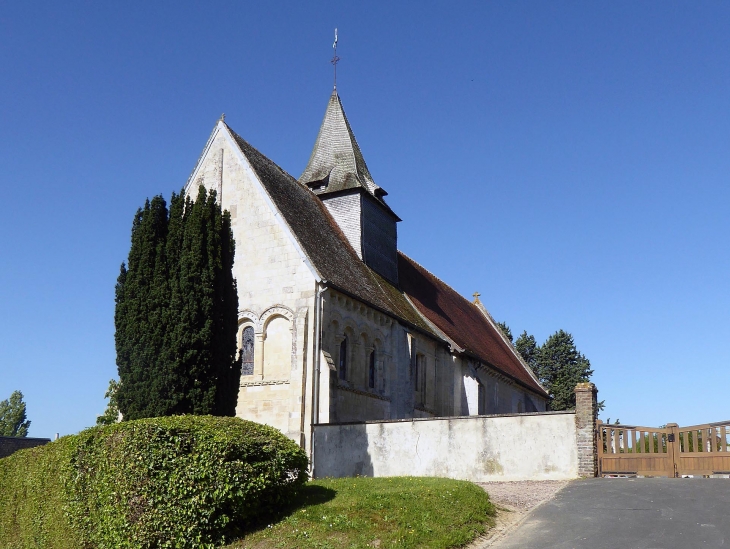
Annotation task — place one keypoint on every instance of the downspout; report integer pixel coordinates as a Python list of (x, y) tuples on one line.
[(321, 288)]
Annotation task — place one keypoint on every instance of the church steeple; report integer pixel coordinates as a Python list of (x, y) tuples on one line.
[(336, 162), (337, 173)]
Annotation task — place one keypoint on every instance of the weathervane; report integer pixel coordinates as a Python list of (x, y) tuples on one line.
[(335, 59)]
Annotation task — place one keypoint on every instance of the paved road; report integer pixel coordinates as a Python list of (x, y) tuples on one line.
[(652, 513)]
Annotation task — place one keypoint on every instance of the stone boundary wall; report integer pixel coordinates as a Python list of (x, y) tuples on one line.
[(10, 445), (533, 446), (538, 446)]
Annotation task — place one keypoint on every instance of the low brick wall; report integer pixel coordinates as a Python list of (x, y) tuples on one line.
[(10, 445), (536, 446)]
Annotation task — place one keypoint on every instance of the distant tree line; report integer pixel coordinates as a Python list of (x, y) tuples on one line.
[(557, 363)]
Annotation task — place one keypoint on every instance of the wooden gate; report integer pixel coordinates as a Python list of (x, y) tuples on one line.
[(671, 451)]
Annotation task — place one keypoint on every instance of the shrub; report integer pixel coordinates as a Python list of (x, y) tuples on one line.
[(182, 481), (32, 498)]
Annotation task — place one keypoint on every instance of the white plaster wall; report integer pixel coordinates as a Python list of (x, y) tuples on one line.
[(471, 390), (514, 447)]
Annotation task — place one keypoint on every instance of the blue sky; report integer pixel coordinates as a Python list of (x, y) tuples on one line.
[(568, 160)]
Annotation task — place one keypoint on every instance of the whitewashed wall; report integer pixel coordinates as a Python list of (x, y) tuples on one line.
[(539, 446)]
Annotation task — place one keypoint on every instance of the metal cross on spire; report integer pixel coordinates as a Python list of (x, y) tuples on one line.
[(335, 59)]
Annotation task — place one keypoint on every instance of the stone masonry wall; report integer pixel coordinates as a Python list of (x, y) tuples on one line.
[(10, 445), (276, 291)]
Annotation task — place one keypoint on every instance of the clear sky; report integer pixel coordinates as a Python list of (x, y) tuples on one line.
[(568, 160)]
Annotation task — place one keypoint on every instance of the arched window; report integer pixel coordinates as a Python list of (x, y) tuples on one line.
[(371, 370), (247, 351), (343, 359)]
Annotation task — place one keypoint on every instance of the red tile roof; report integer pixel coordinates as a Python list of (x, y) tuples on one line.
[(462, 321)]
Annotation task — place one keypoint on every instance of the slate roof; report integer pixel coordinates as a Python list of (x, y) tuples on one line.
[(336, 161), (324, 242), (421, 301), (461, 321)]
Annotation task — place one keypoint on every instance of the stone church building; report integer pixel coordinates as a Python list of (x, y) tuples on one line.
[(335, 323)]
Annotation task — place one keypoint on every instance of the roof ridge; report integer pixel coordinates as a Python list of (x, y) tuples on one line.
[(487, 318), (282, 170), (446, 284), (434, 276), (506, 341)]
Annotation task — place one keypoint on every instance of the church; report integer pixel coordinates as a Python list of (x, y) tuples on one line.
[(335, 323)]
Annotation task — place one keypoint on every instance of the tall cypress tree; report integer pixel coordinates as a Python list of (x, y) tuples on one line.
[(176, 315), (140, 302)]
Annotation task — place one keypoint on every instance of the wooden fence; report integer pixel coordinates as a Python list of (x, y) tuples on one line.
[(670, 451)]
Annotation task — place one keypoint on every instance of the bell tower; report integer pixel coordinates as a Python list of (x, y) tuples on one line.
[(337, 173)]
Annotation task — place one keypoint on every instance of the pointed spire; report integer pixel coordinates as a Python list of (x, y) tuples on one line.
[(336, 162)]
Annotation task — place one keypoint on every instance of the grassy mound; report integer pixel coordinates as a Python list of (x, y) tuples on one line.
[(406, 512), (182, 482)]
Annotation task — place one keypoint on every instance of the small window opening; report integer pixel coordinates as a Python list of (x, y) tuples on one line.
[(343, 359), (247, 345), (371, 371)]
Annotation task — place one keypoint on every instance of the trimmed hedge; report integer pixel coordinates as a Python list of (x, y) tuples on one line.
[(182, 481)]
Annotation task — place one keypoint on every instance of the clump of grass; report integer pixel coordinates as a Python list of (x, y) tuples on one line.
[(403, 512)]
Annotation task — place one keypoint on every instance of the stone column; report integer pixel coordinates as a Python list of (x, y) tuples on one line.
[(586, 413), (258, 356)]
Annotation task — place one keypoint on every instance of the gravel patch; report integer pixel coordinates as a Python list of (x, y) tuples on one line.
[(514, 500), (522, 495)]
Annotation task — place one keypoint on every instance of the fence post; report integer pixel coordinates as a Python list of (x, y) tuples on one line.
[(586, 414), (673, 448)]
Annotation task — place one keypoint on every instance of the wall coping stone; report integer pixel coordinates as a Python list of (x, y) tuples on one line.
[(445, 418)]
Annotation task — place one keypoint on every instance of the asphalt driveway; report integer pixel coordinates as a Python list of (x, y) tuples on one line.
[(652, 513)]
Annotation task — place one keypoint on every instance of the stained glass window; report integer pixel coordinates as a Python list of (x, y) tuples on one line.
[(247, 351)]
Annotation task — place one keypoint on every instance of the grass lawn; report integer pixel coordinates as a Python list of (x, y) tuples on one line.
[(407, 512)]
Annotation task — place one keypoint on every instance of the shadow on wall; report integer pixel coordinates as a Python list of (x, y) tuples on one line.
[(464, 402), (331, 444)]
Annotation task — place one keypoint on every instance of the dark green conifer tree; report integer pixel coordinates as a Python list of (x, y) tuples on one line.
[(140, 302), (528, 348), (176, 315), (505, 330), (560, 368)]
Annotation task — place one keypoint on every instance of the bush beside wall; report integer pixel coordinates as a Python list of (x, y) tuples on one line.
[(32, 498), (183, 481)]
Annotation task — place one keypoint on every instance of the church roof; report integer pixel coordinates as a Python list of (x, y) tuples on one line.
[(422, 301), (325, 244), (462, 321), (336, 162)]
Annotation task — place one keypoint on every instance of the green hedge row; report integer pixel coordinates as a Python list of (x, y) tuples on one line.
[(183, 482)]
